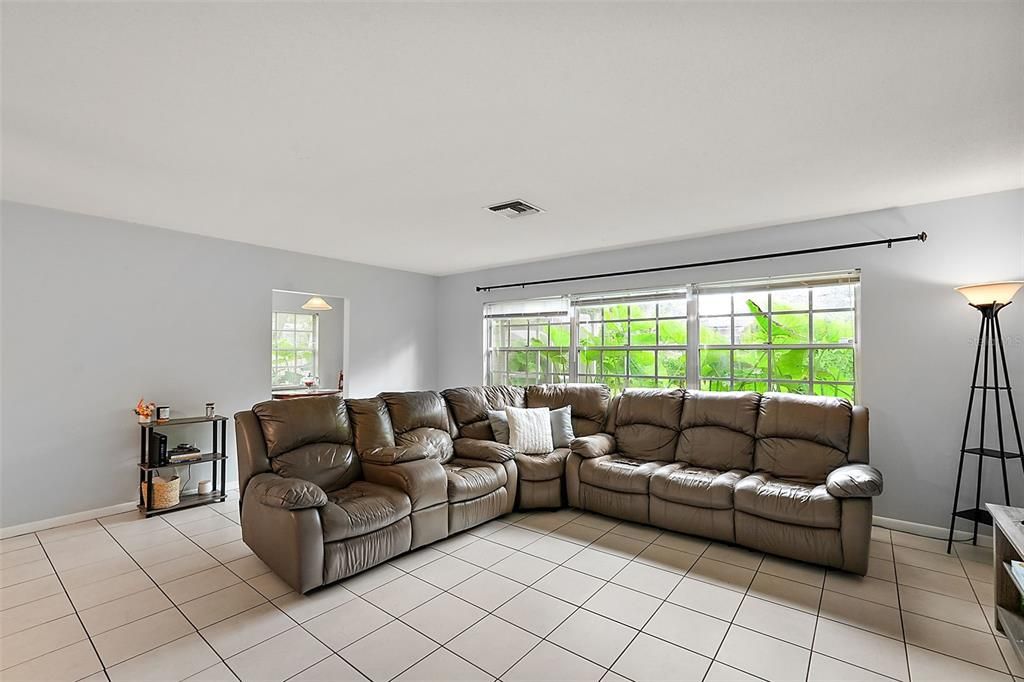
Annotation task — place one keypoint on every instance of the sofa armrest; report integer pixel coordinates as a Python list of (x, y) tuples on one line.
[(394, 454), (485, 450), (424, 481), (597, 445), (272, 490), (854, 480), (290, 541)]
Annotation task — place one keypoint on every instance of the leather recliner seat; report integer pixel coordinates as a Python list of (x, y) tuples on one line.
[(714, 452), (331, 487), (541, 483), (781, 473), (307, 509), (616, 480)]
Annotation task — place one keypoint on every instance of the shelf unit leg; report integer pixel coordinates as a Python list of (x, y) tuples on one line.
[(224, 462), (984, 412), (215, 449), (999, 424)]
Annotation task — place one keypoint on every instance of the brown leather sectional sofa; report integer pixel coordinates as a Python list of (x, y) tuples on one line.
[(331, 487)]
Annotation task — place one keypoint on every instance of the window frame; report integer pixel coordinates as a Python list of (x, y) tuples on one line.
[(631, 299), (527, 317), (810, 285), (315, 345), (690, 296)]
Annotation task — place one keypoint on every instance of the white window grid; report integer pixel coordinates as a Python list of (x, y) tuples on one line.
[(533, 361), (816, 381), (646, 319), (279, 326)]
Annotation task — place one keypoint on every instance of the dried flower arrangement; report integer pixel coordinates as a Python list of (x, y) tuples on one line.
[(145, 411)]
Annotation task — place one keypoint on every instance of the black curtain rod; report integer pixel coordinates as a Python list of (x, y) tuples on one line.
[(923, 236)]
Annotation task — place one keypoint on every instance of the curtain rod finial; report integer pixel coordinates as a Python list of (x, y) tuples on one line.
[(923, 236)]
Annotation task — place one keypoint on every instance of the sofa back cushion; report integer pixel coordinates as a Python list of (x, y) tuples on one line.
[(588, 402), (309, 438), (718, 430), (330, 465), (290, 424), (421, 418), (468, 406), (371, 423), (647, 423), (802, 438)]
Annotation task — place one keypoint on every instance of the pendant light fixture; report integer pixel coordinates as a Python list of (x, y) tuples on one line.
[(316, 303)]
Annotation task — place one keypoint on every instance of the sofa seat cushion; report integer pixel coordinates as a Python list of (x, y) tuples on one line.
[(362, 508), (469, 479), (542, 467), (695, 486), (619, 473), (802, 504)]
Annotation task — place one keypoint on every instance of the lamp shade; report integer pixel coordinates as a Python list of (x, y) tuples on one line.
[(999, 293), (316, 303)]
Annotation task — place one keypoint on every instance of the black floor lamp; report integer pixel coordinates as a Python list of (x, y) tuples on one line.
[(988, 299)]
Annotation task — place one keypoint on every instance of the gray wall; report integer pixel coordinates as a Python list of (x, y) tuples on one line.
[(330, 333), (98, 312), (918, 335)]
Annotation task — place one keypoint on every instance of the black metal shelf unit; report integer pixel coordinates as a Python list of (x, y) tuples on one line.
[(217, 456)]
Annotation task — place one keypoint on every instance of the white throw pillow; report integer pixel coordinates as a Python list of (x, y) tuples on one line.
[(529, 430)]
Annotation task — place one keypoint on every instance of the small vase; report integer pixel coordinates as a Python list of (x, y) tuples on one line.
[(144, 419)]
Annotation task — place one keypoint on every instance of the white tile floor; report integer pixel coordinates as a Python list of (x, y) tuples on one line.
[(542, 596)]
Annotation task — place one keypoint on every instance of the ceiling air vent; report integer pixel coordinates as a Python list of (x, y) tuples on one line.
[(514, 209)]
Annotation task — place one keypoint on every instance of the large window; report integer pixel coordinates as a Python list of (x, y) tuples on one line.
[(796, 334), (293, 354)]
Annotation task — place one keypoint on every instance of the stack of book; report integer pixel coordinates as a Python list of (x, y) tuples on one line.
[(184, 453)]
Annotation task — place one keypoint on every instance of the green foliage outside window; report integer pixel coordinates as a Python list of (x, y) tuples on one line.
[(293, 353), (790, 369), (645, 346)]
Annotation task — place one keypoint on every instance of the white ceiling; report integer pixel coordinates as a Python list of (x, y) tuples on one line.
[(378, 132)]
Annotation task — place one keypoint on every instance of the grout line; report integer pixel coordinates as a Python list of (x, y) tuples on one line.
[(732, 620), (53, 571), (63, 615), (576, 608), (487, 613), (817, 619), (81, 624), (854, 665), (663, 601), (175, 606), (331, 655)]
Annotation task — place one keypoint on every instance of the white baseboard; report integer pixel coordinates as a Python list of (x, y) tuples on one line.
[(78, 517), (931, 531), (67, 519)]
